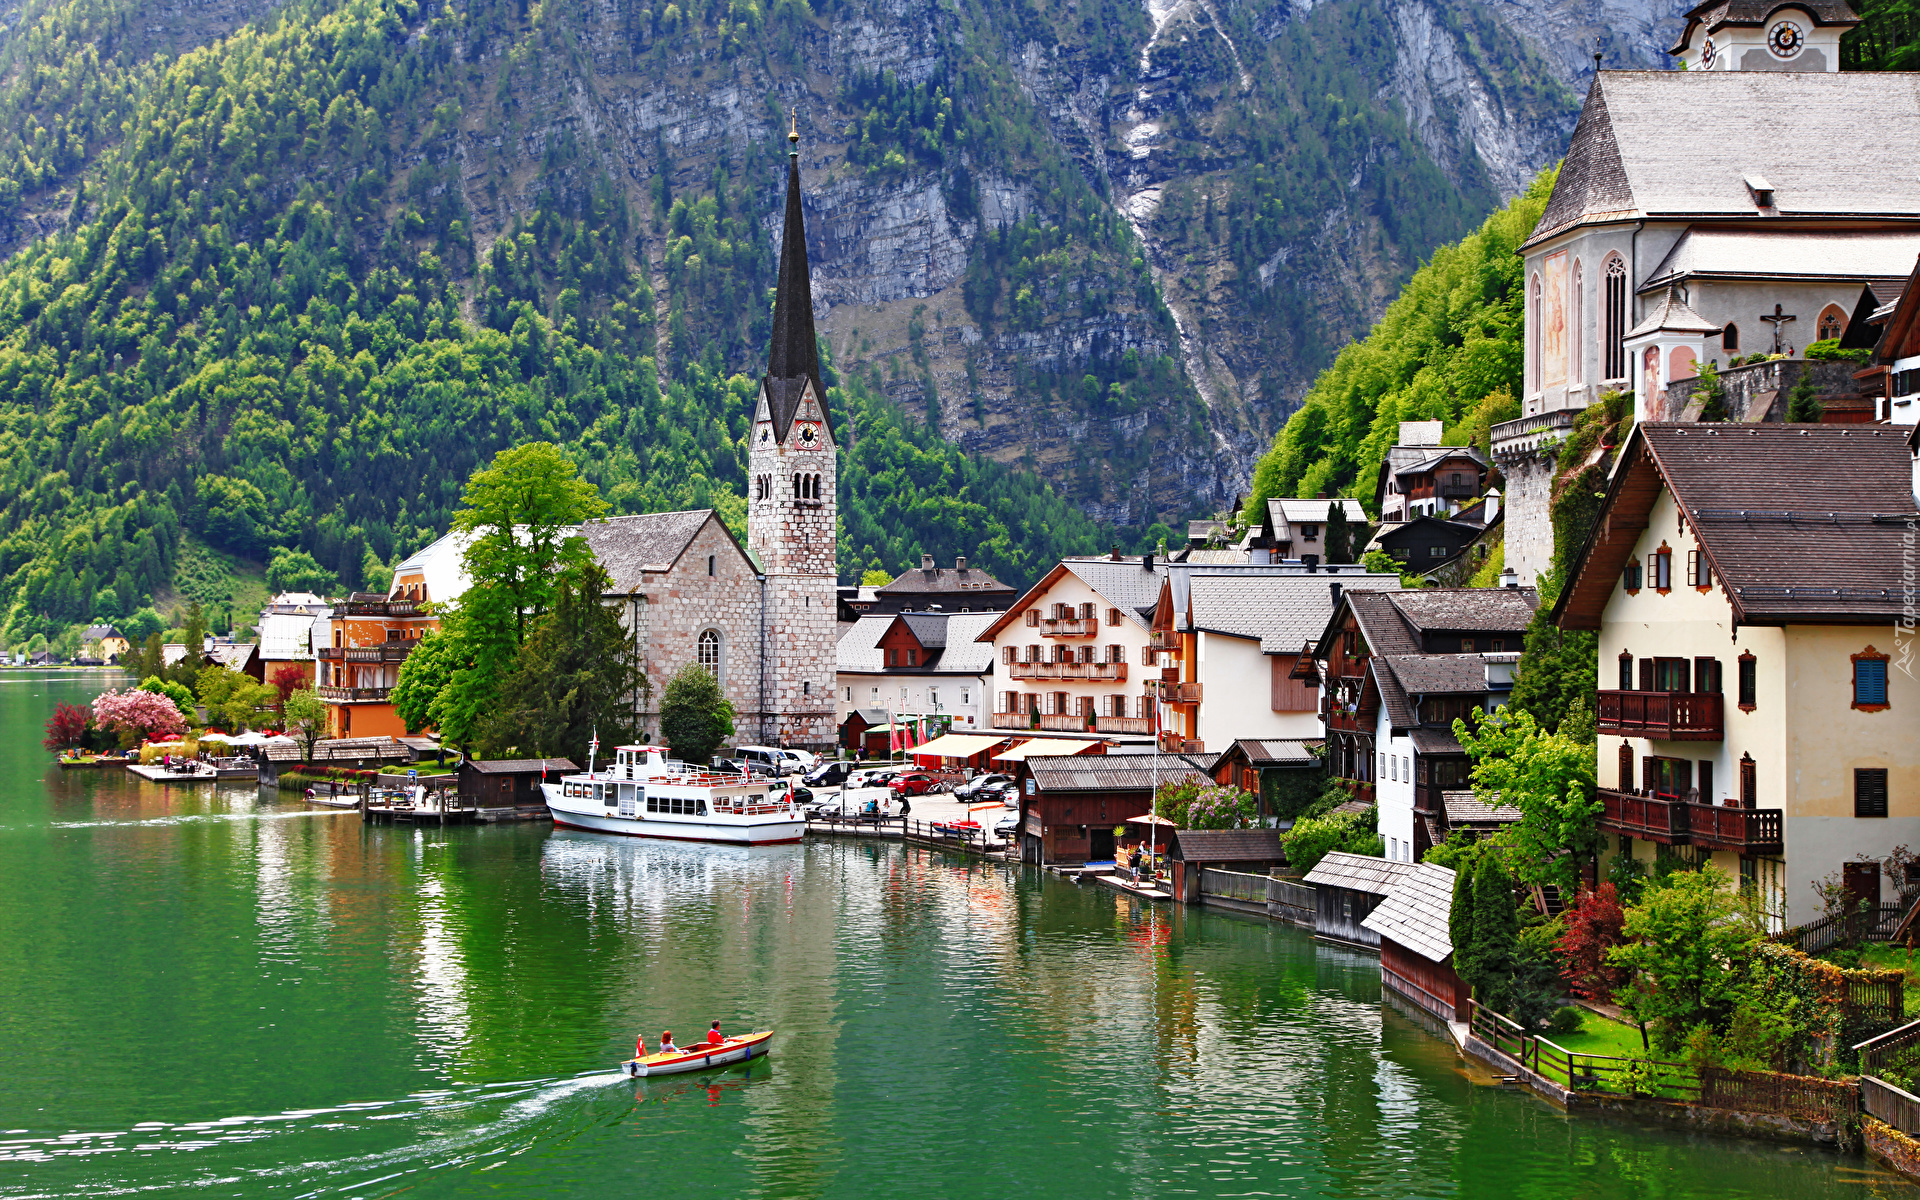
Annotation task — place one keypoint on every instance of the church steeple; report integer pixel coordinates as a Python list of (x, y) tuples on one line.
[(792, 360)]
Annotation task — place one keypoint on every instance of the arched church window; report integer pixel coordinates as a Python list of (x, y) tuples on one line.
[(1730, 338), (710, 651), (1832, 323), (1535, 331), (1615, 331)]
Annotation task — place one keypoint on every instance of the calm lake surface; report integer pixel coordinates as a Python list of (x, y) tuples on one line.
[(220, 993)]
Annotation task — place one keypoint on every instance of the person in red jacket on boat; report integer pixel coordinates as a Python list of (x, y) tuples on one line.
[(714, 1037)]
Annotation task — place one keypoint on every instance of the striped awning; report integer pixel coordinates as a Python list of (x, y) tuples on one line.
[(957, 745)]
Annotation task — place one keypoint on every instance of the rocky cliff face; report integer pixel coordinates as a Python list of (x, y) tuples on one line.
[(1151, 229)]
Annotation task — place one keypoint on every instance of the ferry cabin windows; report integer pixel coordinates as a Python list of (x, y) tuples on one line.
[(1616, 317), (678, 806), (710, 651)]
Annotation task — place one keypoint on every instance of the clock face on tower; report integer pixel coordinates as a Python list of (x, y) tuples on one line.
[(765, 436), (808, 435), (1706, 53), (1785, 39)]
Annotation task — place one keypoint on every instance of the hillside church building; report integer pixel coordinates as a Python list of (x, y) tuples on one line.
[(759, 616), (1659, 251)]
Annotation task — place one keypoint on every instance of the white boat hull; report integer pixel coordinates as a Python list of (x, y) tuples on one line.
[(759, 829)]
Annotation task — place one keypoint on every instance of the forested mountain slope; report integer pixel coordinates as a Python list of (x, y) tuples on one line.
[(289, 286)]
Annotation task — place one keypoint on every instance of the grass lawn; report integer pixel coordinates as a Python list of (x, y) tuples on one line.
[(1600, 1036)]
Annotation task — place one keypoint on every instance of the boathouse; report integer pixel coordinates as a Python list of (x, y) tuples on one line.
[(1070, 803), (1416, 949), (510, 782), (1347, 888), (1248, 851)]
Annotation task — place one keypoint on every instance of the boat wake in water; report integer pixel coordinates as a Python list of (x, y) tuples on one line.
[(370, 1148)]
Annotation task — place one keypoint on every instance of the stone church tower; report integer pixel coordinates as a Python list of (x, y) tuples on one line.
[(792, 516)]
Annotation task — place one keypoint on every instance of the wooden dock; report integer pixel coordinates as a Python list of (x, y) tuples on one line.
[(195, 773), (446, 808), (937, 835)]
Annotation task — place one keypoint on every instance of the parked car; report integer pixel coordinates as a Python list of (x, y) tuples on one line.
[(982, 787), (1010, 796), (1006, 827), (914, 783), (875, 777), (741, 766), (830, 774), (776, 760)]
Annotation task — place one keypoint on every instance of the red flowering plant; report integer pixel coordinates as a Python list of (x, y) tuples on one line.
[(1592, 927)]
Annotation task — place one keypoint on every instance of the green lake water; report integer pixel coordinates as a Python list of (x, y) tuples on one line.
[(223, 993)]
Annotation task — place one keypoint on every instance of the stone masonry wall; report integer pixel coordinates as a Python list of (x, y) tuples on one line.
[(679, 604), (1527, 518)]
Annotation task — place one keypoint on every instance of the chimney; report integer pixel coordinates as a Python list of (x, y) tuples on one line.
[(1146, 562), (1492, 510), (1312, 561), (1335, 589), (960, 564), (1113, 553), (926, 562)]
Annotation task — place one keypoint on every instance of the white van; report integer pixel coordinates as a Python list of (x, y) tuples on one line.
[(774, 760)]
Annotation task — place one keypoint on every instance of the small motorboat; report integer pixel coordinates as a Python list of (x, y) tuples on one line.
[(700, 1056)]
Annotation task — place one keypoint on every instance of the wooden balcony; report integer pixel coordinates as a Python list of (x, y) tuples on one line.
[(1174, 692), (1650, 818), (1087, 672), (1672, 821), (1663, 716), (1013, 720), (384, 652), (348, 695), (1064, 722), (1123, 724), (1457, 491), (1172, 743), (1164, 641), (1744, 830), (1070, 627)]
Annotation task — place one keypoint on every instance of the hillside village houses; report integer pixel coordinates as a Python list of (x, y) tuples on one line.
[(1656, 252)]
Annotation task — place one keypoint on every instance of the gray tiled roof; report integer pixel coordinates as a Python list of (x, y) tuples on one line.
[(1673, 315), (1440, 454), (923, 581), (951, 635), (1278, 752), (1465, 808), (522, 766), (1285, 612), (1876, 254), (1381, 623), (1464, 610), (964, 654), (859, 647), (627, 547), (94, 633), (929, 629), (1358, 873), (1101, 773), (1125, 584), (1226, 845), (1415, 913), (1445, 674), (1624, 161), (1431, 739)]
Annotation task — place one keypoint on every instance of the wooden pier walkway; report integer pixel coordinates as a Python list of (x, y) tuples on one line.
[(939, 835)]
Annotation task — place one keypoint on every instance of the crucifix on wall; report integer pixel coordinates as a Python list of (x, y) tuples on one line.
[(1777, 319)]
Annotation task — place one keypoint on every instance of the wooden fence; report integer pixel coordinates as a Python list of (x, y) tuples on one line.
[(1888, 1051), (1896, 1106), (1874, 925), (1290, 901), (1234, 885), (1740, 1091)]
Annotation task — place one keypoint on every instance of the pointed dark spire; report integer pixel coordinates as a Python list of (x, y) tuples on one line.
[(793, 359)]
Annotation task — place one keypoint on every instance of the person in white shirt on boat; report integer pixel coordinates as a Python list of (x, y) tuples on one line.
[(666, 1043)]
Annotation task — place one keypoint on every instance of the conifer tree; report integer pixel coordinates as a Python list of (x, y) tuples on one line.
[(1803, 403), (1339, 536)]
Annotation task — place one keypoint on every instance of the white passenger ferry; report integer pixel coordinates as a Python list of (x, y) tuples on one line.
[(642, 793)]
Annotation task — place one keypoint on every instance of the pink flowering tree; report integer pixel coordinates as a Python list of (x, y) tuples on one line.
[(141, 716)]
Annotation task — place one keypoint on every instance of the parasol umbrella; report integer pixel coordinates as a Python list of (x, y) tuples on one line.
[(1148, 819)]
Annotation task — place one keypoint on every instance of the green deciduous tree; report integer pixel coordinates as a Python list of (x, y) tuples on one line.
[(1313, 838), (575, 676), (695, 718), (1686, 942), (231, 698), (1550, 778), (296, 571), (179, 693), (305, 714), (523, 515)]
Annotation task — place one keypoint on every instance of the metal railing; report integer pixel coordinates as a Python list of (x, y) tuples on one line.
[(329, 692), (384, 608), (1668, 716), (384, 652)]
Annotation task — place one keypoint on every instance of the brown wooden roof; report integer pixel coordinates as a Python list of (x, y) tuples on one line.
[(1800, 523), (1226, 845)]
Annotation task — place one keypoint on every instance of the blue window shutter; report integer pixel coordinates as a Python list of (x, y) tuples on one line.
[(1870, 681)]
